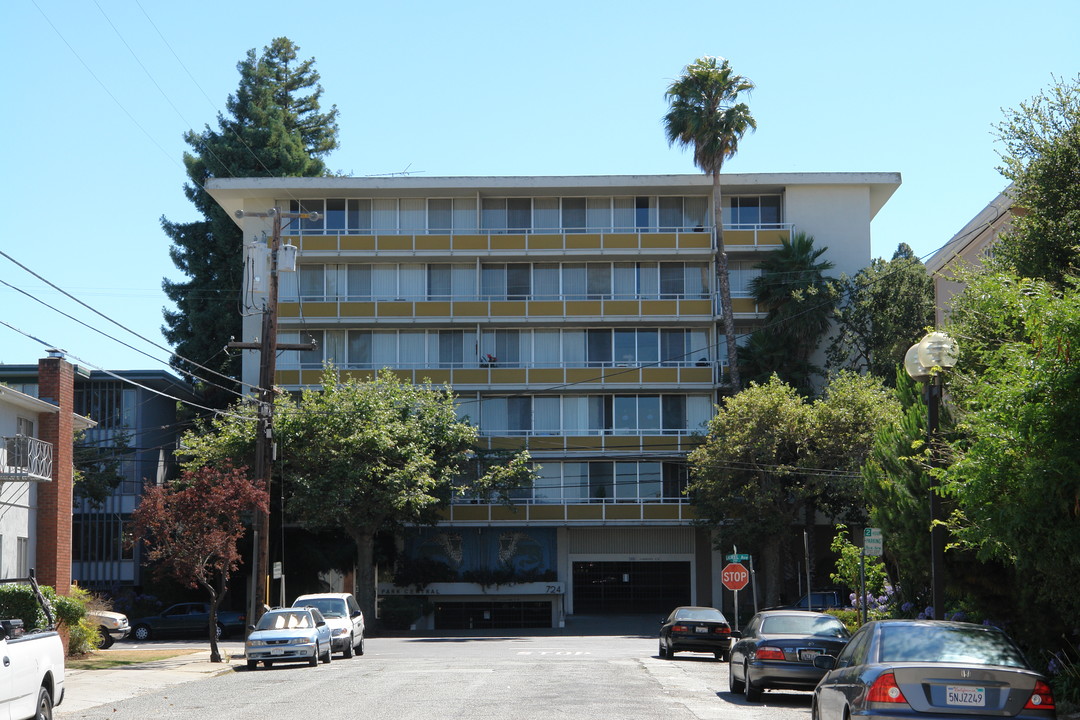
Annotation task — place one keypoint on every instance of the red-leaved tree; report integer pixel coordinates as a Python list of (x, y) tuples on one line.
[(191, 528)]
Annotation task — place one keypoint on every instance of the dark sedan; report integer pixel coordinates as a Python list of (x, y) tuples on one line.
[(186, 619), (933, 670), (695, 629), (777, 651)]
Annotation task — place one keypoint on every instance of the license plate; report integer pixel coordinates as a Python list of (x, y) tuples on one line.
[(277, 651), (965, 696), (808, 655), (701, 629)]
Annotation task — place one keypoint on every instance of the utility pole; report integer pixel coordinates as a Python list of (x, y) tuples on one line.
[(264, 440)]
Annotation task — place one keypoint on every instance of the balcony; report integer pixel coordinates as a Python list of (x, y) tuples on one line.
[(25, 459)]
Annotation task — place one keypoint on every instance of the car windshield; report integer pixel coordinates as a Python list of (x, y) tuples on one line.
[(803, 625), (285, 621), (329, 607), (930, 644), (707, 614)]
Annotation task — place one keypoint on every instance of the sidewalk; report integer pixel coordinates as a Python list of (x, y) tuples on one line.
[(85, 689)]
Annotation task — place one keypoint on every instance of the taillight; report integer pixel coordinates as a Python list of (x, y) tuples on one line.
[(885, 690), (1041, 698), (679, 628), (769, 653), (723, 630)]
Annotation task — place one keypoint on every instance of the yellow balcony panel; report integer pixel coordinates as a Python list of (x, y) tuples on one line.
[(689, 512), (506, 443), (432, 242), (585, 442), (317, 243), (320, 309), (311, 377), (405, 376), (583, 375), (665, 443), (433, 309), (696, 241), (772, 237), (470, 242), (584, 512), (287, 377), (445, 514), (547, 442), (547, 512), (583, 307), (582, 242), (659, 307), (623, 442), (622, 375), (621, 241), (695, 307), (545, 308), (358, 243), (470, 308), (743, 305), (623, 512), (660, 375), (662, 511), (696, 375), (511, 376), (469, 513), (470, 376), (660, 240), (689, 443), (436, 377), (546, 376), (545, 242), (739, 237), (394, 243), (621, 307), (507, 242), (402, 308), (358, 309), (510, 308), (358, 375), (288, 309), (506, 513)]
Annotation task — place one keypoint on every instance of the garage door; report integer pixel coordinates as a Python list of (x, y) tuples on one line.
[(630, 587)]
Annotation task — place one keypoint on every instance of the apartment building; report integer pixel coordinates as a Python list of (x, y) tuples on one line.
[(573, 316)]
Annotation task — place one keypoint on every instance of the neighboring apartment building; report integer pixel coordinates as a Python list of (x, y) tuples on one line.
[(36, 436), (574, 316), (139, 405)]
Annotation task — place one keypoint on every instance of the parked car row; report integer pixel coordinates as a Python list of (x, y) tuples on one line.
[(889, 668), (315, 627)]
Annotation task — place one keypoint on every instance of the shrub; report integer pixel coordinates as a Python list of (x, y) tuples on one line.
[(69, 611)]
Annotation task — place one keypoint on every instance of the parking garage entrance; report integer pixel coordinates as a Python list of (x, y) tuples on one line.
[(630, 587), (492, 614)]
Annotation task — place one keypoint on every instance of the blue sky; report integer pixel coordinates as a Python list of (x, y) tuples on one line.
[(100, 92)]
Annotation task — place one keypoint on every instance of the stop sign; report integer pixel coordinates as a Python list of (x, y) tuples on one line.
[(735, 576)]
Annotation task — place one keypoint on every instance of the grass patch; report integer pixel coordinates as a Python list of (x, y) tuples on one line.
[(119, 658)]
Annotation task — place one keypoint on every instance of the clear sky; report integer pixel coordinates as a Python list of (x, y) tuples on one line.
[(100, 92)]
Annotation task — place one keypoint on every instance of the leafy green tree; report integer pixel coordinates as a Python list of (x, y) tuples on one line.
[(1041, 157), (881, 312), (800, 298), (98, 469), (851, 565), (772, 458), (705, 115), (274, 127)]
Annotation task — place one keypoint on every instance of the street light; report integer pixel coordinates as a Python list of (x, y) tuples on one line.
[(923, 362)]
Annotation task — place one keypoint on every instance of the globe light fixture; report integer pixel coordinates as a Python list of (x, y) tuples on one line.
[(937, 349)]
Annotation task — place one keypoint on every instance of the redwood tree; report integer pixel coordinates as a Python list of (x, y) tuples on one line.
[(192, 527)]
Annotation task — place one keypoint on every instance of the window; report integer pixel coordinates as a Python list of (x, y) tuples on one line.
[(451, 348), (359, 216), (358, 282), (336, 216), (359, 349), (312, 282), (573, 215), (440, 214), (439, 282), (598, 280), (599, 347), (308, 224), (601, 480), (312, 359), (764, 210)]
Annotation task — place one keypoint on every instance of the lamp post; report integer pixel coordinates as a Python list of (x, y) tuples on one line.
[(924, 362)]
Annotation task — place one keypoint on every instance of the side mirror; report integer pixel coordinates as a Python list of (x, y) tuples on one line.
[(825, 662), (320, 623), (251, 628)]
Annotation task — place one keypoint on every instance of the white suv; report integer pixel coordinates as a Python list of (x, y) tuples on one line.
[(344, 618)]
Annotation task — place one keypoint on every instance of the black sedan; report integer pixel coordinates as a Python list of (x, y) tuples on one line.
[(930, 669), (695, 629), (186, 619), (777, 651)]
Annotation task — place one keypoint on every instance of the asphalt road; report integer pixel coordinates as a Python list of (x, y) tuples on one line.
[(479, 678)]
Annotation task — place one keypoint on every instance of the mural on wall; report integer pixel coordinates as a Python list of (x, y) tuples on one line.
[(521, 551)]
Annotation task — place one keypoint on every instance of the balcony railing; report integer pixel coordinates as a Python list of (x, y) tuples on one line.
[(25, 459)]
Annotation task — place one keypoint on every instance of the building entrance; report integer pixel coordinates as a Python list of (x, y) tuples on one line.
[(630, 587)]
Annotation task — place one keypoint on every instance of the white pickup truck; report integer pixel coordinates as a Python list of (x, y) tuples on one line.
[(32, 670)]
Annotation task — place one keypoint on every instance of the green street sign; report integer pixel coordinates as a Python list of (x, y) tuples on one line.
[(741, 557)]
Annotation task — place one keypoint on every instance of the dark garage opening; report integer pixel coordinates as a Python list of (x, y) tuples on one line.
[(490, 614), (630, 587)]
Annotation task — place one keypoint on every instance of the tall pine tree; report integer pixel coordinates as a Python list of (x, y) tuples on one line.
[(274, 127)]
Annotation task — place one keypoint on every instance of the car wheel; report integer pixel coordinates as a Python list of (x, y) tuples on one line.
[(734, 686), (813, 709), (313, 661), (141, 632), (44, 704), (252, 664), (268, 663), (106, 639), (329, 653), (220, 631), (360, 648), (750, 690), (347, 653), (670, 652)]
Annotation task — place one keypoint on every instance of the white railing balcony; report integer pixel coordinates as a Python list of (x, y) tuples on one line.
[(25, 459)]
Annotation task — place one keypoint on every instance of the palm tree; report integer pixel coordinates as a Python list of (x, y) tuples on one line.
[(704, 115)]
